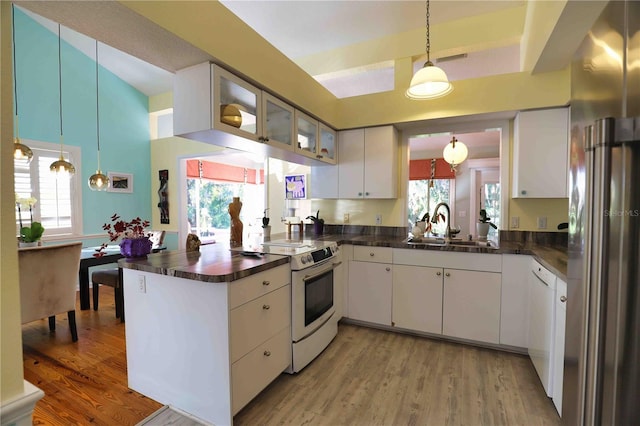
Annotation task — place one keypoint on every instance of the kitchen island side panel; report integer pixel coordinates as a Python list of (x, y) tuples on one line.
[(177, 338)]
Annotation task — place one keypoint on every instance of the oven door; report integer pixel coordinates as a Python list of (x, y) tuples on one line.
[(312, 298)]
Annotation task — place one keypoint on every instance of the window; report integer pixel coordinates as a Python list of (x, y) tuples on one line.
[(58, 201), (424, 197), (211, 187)]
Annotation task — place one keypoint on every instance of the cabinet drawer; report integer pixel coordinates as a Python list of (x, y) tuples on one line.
[(249, 288), (258, 320), (445, 259), (252, 373), (372, 254)]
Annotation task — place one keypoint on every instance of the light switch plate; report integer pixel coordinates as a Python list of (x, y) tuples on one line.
[(542, 222), (345, 218), (515, 222), (142, 284)]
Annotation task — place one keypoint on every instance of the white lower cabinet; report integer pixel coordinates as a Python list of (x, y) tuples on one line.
[(471, 305), (370, 292), (417, 298), (514, 305)]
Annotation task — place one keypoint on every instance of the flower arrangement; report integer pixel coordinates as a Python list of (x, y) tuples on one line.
[(485, 219), (121, 229), (33, 232)]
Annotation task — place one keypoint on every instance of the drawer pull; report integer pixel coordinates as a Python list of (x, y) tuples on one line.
[(266, 282), (266, 307), (371, 254), (266, 353), (447, 274), (387, 269), (438, 273)]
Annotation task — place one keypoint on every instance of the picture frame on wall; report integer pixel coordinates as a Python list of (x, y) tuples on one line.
[(295, 187), (120, 182)]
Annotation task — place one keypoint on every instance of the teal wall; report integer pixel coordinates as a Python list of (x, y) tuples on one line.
[(124, 119)]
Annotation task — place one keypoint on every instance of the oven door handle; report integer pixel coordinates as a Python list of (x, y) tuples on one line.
[(310, 277)]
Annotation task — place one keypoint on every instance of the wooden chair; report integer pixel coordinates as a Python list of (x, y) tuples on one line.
[(109, 277), (48, 283)]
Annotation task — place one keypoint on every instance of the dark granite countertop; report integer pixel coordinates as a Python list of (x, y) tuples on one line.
[(213, 263), (551, 256), (217, 263)]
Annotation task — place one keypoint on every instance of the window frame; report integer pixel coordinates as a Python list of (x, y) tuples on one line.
[(74, 155)]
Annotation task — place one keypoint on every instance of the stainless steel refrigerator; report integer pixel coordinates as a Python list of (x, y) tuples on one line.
[(602, 348)]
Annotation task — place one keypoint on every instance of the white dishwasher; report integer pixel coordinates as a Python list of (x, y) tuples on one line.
[(542, 288)]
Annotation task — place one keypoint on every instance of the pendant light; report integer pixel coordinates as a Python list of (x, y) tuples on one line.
[(62, 166), (429, 82), (98, 181), (455, 152), (21, 152)]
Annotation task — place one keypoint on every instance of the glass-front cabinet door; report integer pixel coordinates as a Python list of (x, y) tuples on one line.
[(328, 146), (306, 131), (236, 105), (277, 122)]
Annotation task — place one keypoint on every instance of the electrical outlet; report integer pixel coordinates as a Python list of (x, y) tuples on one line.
[(542, 222), (378, 219), (345, 218), (142, 284), (515, 222)]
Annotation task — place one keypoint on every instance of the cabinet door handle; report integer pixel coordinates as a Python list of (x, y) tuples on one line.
[(447, 274), (266, 307), (563, 299), (266, 353), (359, 194), (266, 282), (438, 273), (366, 193), (523, 192), (387, 269)]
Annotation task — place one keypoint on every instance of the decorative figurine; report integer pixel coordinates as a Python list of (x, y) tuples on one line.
[(236, 224)]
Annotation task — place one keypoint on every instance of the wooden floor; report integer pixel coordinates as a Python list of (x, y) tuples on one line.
[(365, 377)]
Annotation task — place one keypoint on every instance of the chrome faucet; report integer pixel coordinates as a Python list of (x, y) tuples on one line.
[(434, 219)]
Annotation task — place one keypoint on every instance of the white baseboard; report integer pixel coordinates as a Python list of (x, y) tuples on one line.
[(18, 410)]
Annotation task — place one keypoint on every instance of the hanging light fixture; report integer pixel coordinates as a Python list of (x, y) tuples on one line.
[(429, 82), (61, 166), (98, 181), (455, 152), (21, 152)]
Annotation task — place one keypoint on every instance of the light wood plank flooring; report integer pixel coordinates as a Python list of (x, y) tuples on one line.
[(365, 377)]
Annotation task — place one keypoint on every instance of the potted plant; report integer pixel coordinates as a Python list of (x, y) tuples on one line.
[(318, 224), (29, 235), (482, 227), (134, 242)]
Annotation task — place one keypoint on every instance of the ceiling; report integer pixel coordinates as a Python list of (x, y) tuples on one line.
[(333, 41)]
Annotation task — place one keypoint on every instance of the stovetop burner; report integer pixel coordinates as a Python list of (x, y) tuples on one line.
[(303, 253)]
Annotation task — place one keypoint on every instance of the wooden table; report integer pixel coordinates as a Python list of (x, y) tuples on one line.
[(87, 260)]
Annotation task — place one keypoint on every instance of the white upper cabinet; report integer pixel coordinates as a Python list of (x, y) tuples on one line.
[(213, 105), (540, 154), (328, 144), (277, 122), (367, 163), (236, 105)]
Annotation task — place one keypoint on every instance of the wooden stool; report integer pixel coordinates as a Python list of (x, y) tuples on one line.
[(110, 277)]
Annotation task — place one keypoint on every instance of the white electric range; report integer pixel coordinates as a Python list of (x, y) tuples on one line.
[(314, 321)]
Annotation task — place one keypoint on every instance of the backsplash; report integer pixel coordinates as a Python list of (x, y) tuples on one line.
[(387, 231), (534, 237)]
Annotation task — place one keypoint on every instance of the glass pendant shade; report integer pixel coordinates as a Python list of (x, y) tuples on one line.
[(429, 82), (455, 152), (21, 152), (99, 181), (62, 167)]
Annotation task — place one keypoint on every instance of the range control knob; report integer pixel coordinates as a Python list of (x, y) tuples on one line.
[(303, 259), (309, 258)]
